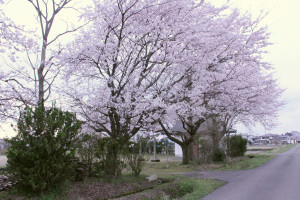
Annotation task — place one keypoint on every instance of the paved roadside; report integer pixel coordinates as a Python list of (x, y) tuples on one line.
[(278, 179)]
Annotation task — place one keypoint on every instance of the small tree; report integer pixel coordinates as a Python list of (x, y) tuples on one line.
[(40, 156), (135, 163), (86, 149), (237, 146), (109, 154), (218, 155)]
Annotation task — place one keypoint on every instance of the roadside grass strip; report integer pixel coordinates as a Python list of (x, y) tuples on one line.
[(201, 187), (280, 149), (253, 162), (161, 168)]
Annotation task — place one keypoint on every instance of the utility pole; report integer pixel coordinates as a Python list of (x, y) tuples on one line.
[(167, 152), (154, 149)]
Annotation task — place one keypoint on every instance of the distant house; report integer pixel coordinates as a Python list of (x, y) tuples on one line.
[(178, 128), (273, 139), (295, 136)]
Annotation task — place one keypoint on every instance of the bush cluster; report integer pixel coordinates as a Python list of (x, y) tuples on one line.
[(218, 155), (237, 146), (178, 190), (105, 157), (41, 154), (185, 188), (135, 163)]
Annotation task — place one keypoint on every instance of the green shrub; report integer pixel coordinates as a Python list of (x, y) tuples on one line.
[(86, 146), (179, 189), (40, 156), (109, 154), (237, 146), (135, 162), (185, 188), (218, 155)]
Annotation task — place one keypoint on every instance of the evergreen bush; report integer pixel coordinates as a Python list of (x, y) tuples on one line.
[(218, 155), (41, 154), (237, 146)]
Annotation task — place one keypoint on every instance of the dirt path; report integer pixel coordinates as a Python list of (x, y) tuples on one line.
[(277, 179)]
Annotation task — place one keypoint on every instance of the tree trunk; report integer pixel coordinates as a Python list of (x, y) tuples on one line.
[(185, 154), (227, 143), (41, 79), (112, 162), (190, 152)]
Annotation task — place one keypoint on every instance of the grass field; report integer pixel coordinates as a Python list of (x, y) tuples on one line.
[(160, 168), (252, 162)]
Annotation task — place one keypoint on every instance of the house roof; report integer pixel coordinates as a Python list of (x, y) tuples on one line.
[(178, 127), (232, 130)]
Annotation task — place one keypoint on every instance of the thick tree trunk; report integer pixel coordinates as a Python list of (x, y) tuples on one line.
[(185, 154), (190, 152), (112, 163)]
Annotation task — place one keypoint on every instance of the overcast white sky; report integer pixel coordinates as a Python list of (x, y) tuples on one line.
[(283, 21), (284, 26)]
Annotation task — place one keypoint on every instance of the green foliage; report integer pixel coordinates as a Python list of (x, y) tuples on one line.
[(179, 188), (40, 156), (205, 151), (237, 146), (185, 188), (135, 162), (109, 153), (160, 146), (218, 155), (149, 147), (106, 157), (87, 145), (201, 188)]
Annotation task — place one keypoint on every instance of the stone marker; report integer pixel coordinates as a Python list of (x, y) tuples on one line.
[(151, 178)]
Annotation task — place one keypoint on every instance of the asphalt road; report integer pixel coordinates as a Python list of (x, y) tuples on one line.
[(278, 179)]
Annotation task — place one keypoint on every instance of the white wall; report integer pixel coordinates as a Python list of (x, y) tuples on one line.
[(178, 150)]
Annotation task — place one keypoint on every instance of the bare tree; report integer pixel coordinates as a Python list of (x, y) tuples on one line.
[(31, 81)]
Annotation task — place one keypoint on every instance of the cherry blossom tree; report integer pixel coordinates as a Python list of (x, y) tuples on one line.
[(141, 62), (13, 39), (256, 100), (232, 82), (117, 65)]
